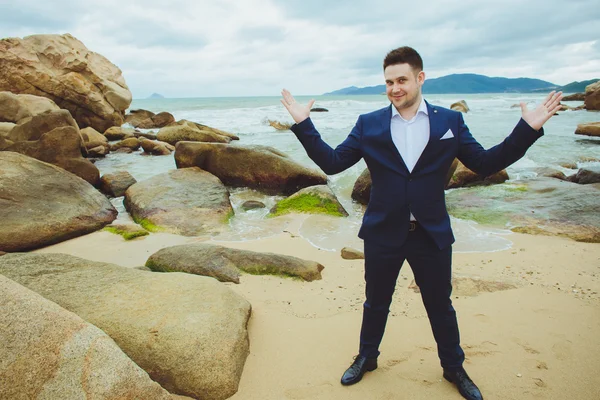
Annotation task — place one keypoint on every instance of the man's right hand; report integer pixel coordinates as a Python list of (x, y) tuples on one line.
[(298, 112)]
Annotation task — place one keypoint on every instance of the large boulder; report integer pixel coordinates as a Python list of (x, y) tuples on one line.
[(119, 133), (136, 116), (159, 120), (54, 138), (592, 96), (259, 167), (544, 206), (61, 68), (92, 138), (588, 129), (117, 183), (50, 353), (189, 333), (15, 107), (193, 132), (156, 147), (225, 264), (588, 175), (41, 204), (463, 177), (313, 200), (188, 202), (574, 97)]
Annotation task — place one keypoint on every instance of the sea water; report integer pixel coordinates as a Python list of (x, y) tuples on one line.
[(490, 119)]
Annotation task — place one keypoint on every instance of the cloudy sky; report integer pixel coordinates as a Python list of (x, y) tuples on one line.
[(199, 48)]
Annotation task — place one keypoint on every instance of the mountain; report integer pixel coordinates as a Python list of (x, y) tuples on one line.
[(156, 96), (577, 87), (464, 83)]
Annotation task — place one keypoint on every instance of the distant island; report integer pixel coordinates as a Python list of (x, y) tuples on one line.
[(473, 83), (156, 96)]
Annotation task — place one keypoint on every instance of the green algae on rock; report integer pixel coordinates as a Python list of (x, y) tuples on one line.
[(314, 200)]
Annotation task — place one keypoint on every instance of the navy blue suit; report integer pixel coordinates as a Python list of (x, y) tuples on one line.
[(395, 194)]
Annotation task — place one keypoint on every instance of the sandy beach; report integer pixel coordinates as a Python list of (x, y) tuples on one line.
[(529, 319)]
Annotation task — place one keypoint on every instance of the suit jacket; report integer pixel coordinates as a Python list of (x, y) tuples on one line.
[(396, 192)]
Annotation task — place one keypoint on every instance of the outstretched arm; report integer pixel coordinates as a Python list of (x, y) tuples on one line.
[(329, 160), (525, 133)]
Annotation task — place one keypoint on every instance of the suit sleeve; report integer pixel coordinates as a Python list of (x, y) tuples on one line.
[(487, 162), (331, 161)]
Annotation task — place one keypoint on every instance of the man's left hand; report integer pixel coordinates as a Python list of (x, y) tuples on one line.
[(538, 117)]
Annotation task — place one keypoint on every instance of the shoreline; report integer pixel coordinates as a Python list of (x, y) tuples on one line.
[(529, 325)]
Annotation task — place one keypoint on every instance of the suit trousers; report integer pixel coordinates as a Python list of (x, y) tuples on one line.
[(432, 269)]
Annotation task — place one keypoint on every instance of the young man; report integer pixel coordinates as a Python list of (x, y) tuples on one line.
[(409, 147)]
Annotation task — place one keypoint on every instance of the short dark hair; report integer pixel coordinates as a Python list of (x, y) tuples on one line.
[(404, 55)]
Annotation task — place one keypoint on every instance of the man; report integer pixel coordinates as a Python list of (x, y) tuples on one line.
[(409, 147)]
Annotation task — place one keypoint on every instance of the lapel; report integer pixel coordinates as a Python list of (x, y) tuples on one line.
[(387, 133), (437, 127)]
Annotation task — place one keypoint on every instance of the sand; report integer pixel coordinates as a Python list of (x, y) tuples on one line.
[(529, 319)]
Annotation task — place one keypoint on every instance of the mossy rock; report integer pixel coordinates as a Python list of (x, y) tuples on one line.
[(313, 200), (128, 232)]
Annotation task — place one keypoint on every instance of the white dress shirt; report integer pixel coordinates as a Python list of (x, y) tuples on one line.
[(410, 136)]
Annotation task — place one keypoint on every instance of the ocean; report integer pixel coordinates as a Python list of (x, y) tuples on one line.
[(491, 118)]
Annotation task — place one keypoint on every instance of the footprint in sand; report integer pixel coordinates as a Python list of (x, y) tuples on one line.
[(307, 392)]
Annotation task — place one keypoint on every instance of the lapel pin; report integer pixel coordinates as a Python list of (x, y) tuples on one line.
[(434, 111)]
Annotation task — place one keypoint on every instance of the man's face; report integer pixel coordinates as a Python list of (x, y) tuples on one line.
[(403, 85)]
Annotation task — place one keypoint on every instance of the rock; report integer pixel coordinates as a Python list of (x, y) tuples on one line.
[(187, 332), (53, 138), (41, 204), (460, 106), (225, 264), (192, 132), (99, 151), (53, 353), (564, 107), (568, 165), (464, 177), (136, 116), (61, 68), (15, 107), (280, 126), (117, 183), (574, 97), (319, 109), (125, 150), (314, 200), (156, 121), (92, 139), (156, 148), (132, 143), (361, 192), (118, 133), (128, 231), (592, 96), (252, 205), (5, 128), (540, 206), (589, 129), (550, 173), (352, 254), (466, 286), (588, 175), (145, 135), (187, 202), (258, 167), (362, 187)]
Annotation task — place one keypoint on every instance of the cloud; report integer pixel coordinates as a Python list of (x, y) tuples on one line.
[(255, 47)]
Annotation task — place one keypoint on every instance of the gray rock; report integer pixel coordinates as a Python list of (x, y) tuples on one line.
[(258, 167), (361, 192), (190, 131), (187, 202), (117, 183), (540, 206), (252, 205), (187, 332), (41, 204), (464, 177), (51, 353), (225, 264), (588, 175), (352, 254)]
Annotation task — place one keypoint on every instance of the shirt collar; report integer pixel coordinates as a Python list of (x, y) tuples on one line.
[(422, 109)]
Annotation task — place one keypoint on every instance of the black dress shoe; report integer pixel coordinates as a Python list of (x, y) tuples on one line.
[(465, 385), (358, 368)]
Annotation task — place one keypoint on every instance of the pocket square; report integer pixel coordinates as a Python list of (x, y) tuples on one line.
[(447, 135)]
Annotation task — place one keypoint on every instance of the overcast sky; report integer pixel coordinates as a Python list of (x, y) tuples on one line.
[(198, 48)]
